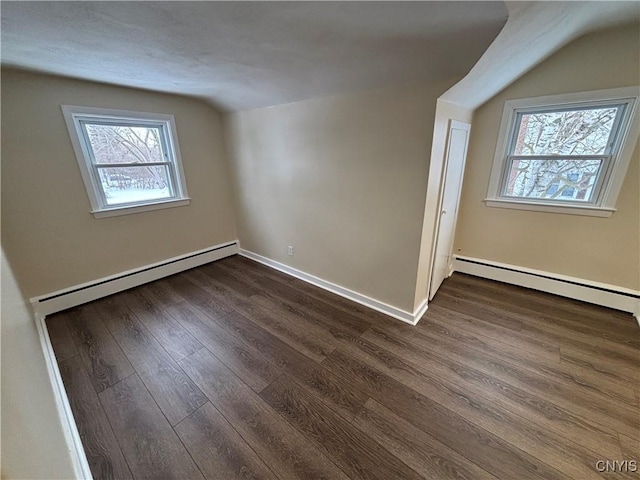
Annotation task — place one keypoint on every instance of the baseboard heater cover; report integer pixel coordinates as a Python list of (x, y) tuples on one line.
[(87, 292), (612, 296)]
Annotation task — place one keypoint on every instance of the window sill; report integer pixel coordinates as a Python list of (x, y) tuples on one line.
[(583, 210), (128, 210)]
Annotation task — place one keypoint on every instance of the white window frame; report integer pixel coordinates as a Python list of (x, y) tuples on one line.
[(615, 166), (74, 115)]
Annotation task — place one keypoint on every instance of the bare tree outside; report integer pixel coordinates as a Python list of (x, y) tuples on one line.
[(574, 137), (132, 147)]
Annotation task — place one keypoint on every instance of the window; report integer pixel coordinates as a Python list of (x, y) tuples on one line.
[(130, 161), (565, 153)]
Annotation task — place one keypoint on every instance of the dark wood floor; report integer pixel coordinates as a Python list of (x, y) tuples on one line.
[(234, 370)]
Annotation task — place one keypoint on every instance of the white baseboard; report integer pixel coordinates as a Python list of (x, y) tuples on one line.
[(420, 311), (612, 296), (87, 292), (71, 297), (67, 421), (397, 313)]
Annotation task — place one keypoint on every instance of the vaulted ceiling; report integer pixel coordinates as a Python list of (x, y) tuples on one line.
[(243, 55)]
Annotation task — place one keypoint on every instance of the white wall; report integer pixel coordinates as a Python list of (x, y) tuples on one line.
[(33, 443)]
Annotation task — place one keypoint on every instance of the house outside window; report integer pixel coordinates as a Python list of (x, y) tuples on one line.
[(129, 161), (565, 153)]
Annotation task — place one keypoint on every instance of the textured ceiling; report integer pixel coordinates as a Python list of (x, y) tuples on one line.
[(243, 55)]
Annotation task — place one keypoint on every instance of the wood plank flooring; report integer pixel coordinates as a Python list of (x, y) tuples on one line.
[(235, 370)]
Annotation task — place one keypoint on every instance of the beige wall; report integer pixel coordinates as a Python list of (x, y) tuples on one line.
[(600, 249), (48, 233), (343, 180), (33, 444)]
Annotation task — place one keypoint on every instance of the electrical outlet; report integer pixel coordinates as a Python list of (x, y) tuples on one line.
[(290, 250)]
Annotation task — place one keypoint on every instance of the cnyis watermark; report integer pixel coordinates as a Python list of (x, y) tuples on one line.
[(621, 466)]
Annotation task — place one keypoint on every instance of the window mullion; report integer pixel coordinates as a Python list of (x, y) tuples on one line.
[(131, 164), (557, 157)]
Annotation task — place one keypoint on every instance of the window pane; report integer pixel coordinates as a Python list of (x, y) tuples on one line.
[(124, 143), (570, 132), (561, 179), (135, 184)]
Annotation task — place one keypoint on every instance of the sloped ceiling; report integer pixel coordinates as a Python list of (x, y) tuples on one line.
[(534, 31), (244, 55)]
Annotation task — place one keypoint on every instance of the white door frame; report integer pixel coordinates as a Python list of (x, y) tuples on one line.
[(458, 125)]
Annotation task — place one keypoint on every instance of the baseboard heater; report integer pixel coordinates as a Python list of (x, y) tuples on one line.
[(619, 298), (87, 292)]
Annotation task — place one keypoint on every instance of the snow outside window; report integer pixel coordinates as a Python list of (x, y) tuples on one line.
[(564, 154), (129, 161)]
